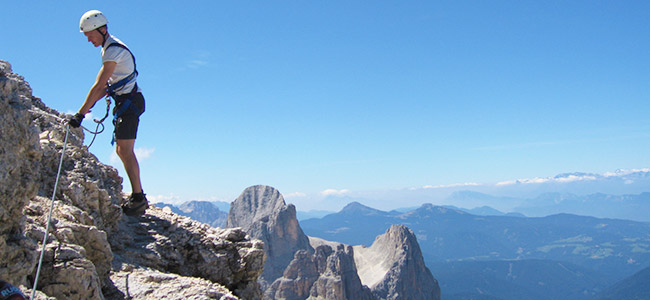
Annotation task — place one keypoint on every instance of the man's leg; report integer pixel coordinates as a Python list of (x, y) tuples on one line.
[(125, 151)]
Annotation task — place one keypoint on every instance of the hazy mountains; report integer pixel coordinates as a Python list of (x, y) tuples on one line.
[(634, 207), (504, 196), (503, 256)]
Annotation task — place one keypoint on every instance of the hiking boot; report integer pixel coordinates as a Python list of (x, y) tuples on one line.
[(135, 205)]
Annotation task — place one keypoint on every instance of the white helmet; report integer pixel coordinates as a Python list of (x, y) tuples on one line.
[(92, 20)]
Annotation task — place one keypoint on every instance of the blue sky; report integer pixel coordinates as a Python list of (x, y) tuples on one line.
[(326, 97)]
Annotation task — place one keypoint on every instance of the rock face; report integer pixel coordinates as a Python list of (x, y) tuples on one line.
[(262, 212), (93, 251), (393, 267), (327, 274)]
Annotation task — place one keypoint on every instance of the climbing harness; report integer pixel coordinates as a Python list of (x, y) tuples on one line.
[(124, 81), (49, 217), (122, 106)]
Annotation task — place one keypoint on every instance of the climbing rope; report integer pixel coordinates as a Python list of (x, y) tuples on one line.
[(49, 217), (99, 122)]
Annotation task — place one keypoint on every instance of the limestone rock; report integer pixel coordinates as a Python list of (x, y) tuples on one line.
[(393, 267), (19, 164), (262, 213), (170, 243), (327, 274)]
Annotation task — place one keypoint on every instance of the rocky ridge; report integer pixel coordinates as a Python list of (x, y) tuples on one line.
[(93, 251), (392, 268)]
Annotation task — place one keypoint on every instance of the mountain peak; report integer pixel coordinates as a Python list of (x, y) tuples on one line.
[(358, 208), (254, 203), (429, 208), (262, 212), (393, 262)]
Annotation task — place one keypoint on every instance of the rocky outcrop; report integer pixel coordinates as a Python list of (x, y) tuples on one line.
[(327, 274), (393, 267), (261, 211), (19, 162), (93, 251)]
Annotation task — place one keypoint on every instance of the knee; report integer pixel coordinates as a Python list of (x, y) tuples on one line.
[(122, 152)]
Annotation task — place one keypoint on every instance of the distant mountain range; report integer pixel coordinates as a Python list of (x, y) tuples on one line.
[(504, 196), (578, 256), (635, 207)]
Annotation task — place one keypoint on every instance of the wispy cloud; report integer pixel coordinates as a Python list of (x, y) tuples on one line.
[(169, 199), (295, 195), (144, 153), (197, 63), (330, 192), (561, 179), (451, 185), (140, 153), (198, 60)]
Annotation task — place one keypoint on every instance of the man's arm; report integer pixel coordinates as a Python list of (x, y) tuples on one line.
[(98, 90)]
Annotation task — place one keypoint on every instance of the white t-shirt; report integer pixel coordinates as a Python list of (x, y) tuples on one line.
[(124, 65)]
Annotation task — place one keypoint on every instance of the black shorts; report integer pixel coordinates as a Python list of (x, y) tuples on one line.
[(126, 125)]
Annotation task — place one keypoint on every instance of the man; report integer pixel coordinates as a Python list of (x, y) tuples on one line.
[(117, 78)]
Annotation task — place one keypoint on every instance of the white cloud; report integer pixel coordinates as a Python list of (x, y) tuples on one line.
[(144, 153), (295, 195), (524, 181), (572, 178), (450, 185), (330, 192), (169, 199), (140, 153), (563, 179), (623, 172)]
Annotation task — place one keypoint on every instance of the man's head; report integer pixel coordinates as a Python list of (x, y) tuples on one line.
[(93, 25)]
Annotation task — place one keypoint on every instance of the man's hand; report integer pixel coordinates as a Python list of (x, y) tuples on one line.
[(75, 121)]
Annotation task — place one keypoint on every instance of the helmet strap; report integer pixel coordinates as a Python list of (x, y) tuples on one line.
[(104, 34)]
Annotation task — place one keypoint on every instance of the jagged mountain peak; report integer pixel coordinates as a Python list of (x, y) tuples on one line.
[(261, 211), (393, 267)]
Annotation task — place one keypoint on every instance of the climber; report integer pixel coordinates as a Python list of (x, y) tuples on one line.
[(10, 292), (117, 79)]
